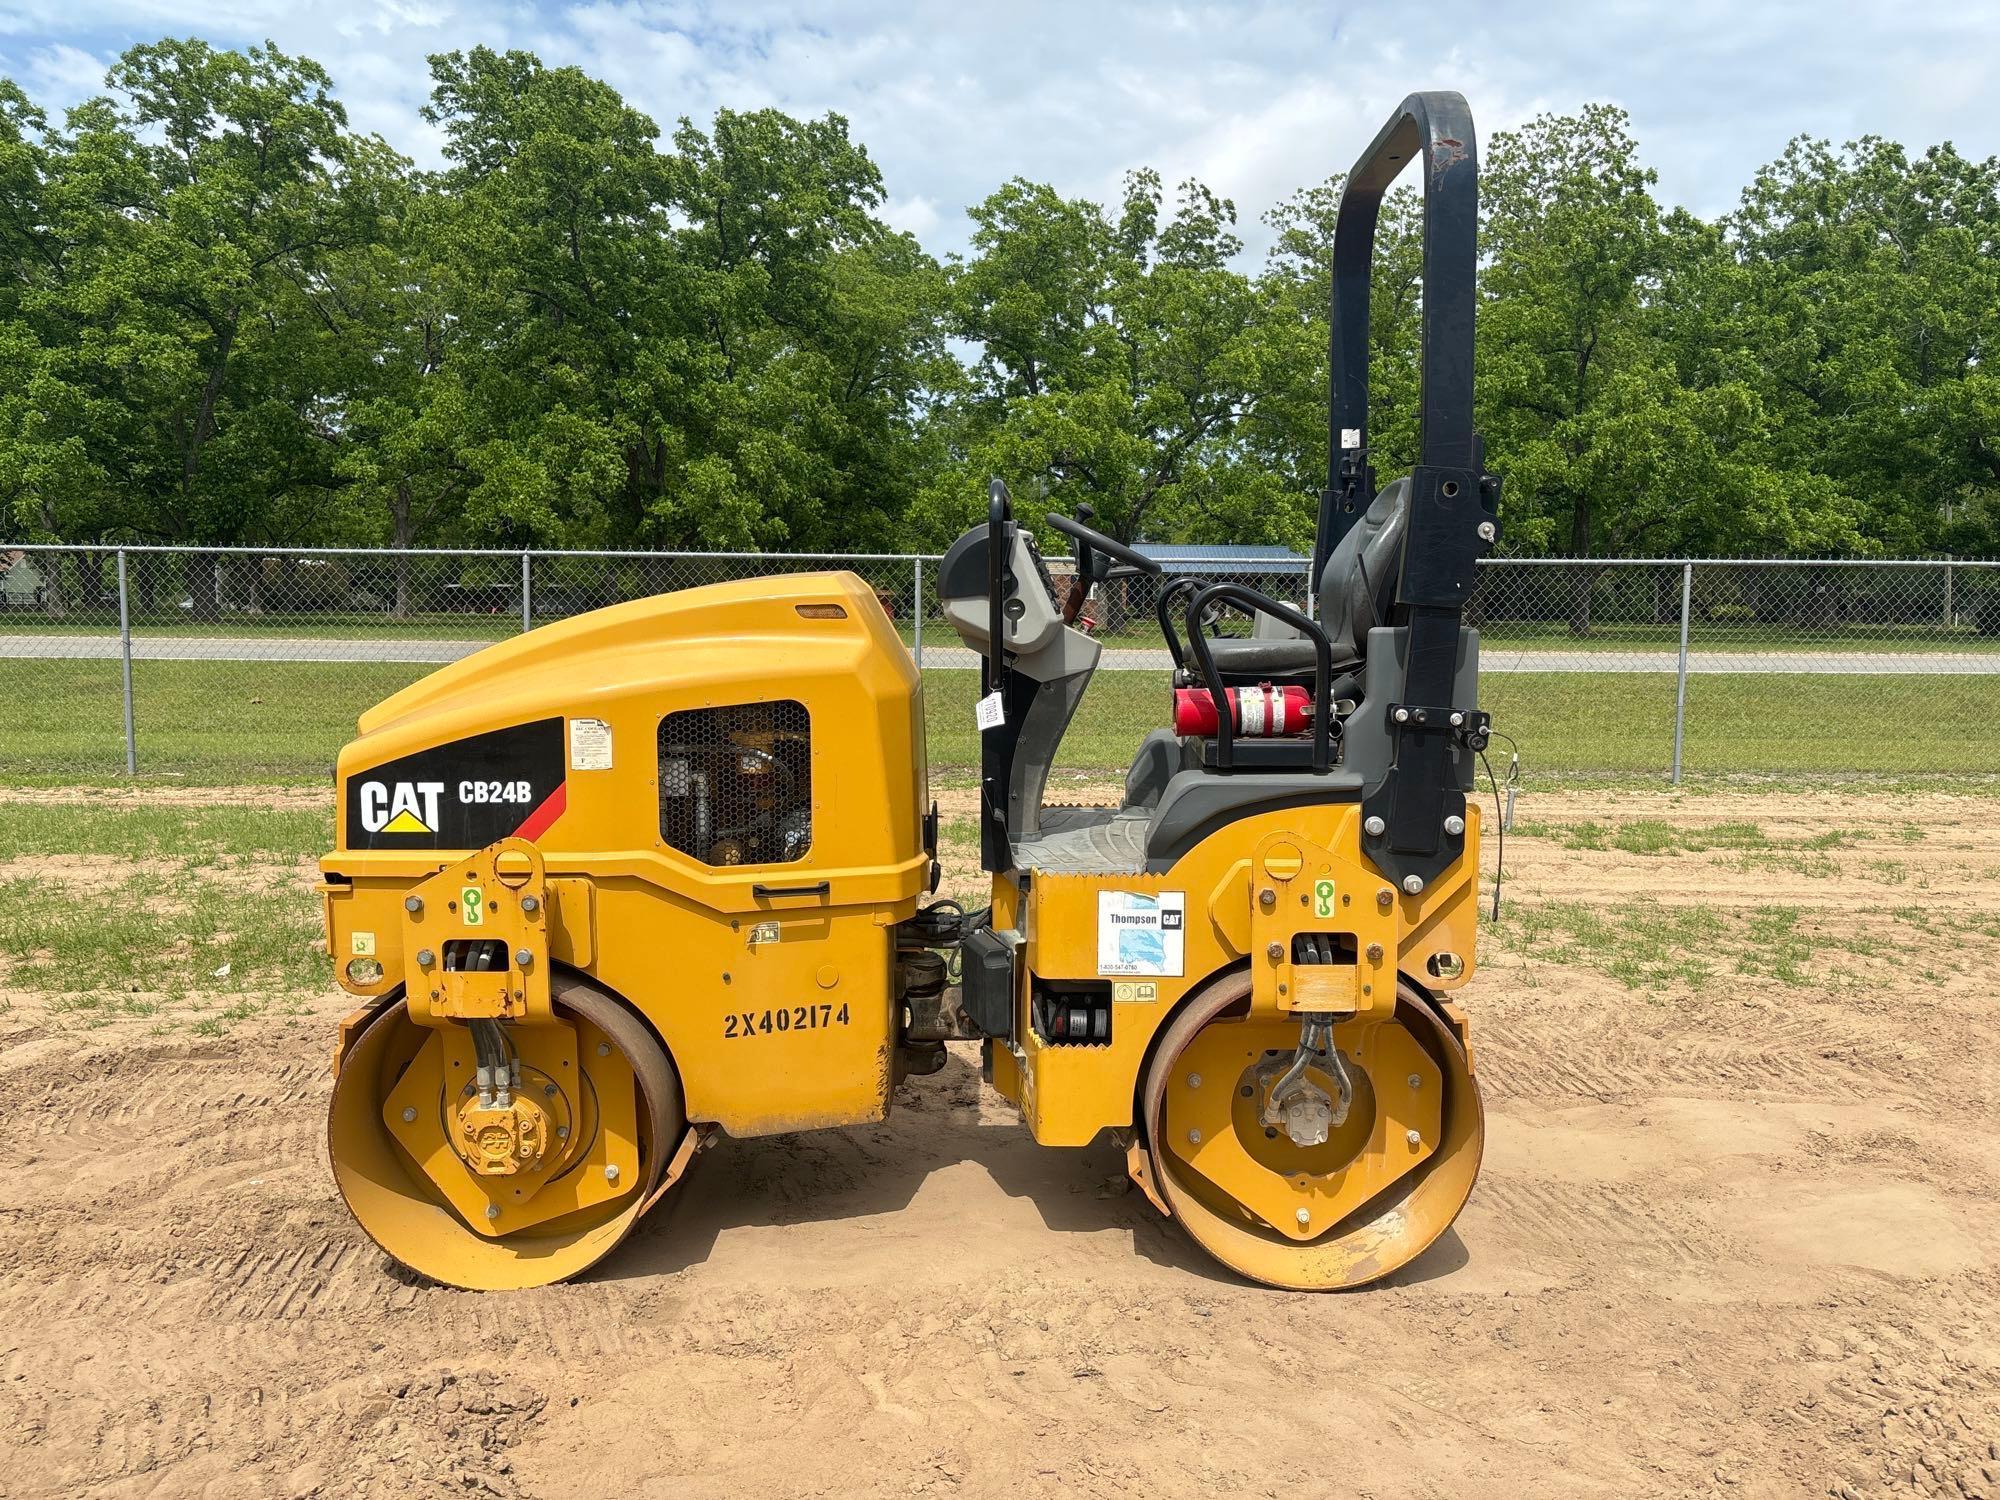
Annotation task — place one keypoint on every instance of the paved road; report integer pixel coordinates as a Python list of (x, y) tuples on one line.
[(237, 648), (1128, 659), (1501, 659)]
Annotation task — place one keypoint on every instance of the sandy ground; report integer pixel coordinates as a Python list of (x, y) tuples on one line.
[(1733, 1237)]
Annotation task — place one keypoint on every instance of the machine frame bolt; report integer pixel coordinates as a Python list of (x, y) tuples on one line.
[(1413, 884), (1374, 827), (604, 1049), (1304, 1217), (524, 956), (1457, 719), (425, 958), (1414, 1137), (1415, 1080), (1274, 952), (1374, 953), (1194, 1080), (1384, 896), (531, 904), (409, 1114), (1402, 716), (611, 1172), (1454, 824), (413, 904), (1194, 1137), (1267, 898), (1488, 531), (492, 1210)]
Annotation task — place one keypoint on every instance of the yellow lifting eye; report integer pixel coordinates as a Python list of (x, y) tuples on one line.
[(512, 868), (1283, 862)]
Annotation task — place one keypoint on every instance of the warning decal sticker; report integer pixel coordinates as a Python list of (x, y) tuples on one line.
[(1141, 933), (589, 745)]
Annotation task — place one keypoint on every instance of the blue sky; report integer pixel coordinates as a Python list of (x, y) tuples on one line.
[(1256, 99)]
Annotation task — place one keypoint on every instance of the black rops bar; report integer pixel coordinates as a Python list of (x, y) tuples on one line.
[(999, 513), (1418, 803), (1438, 128), (996, 746)]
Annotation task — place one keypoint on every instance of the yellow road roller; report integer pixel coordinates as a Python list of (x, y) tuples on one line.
[(668, 869)]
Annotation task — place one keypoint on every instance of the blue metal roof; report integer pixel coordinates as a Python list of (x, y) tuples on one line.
[(1217, 552)]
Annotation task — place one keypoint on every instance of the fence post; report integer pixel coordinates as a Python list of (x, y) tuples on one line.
[(1681, 673), (917, 608), (527, 597), (125, 652)]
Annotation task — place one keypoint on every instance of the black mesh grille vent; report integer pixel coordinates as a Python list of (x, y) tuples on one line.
[(736, 783)]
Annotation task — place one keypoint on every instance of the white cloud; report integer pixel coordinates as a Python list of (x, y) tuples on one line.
[(65, 73), (917, 216), (1257, 98)]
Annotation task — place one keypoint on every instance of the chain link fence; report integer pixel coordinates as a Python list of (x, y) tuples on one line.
[(233, 664)]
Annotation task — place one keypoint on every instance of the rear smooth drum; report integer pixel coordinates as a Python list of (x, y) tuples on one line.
[(1385, 1185)]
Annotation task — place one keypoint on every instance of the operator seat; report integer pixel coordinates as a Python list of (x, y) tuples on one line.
[(1357, 590)]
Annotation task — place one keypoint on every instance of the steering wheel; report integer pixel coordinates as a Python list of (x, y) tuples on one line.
[(1093, 550), (1088, 541)]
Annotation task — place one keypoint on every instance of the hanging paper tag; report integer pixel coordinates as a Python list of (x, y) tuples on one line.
[(1350, 437), (991, 712)]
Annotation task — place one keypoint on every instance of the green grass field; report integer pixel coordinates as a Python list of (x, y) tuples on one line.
[(1713, 636), (195, 916), (1617, 725), (217, 927), (276, 625), (226, 722)]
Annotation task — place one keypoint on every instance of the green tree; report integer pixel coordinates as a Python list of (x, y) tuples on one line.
[(187, 218), (47, 478), (714, 346), (1286, 430), (812, 340), (1613, 435), (1116, 360), (225, 318), (395, 416), (546, 243), (52, 485), (1872, 290)]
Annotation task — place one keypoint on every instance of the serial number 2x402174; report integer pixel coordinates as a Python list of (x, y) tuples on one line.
[(749, 1023)]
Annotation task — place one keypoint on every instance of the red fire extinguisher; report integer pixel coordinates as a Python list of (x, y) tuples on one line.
[(1261, 712)]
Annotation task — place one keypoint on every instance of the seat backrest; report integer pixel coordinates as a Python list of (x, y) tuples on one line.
[(1358, 588)]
